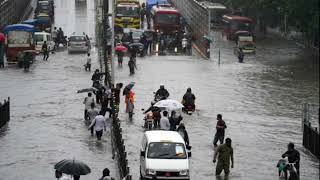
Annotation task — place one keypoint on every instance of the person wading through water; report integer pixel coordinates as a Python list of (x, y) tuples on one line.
[(224, 153)]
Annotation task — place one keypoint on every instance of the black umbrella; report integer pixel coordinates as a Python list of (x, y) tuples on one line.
[(128, 88), (72, 167), (92, 89)]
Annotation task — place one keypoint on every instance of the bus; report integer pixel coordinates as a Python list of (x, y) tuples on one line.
[(127, 14), (234, 23)]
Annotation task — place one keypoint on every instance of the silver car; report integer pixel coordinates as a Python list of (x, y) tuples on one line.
[(78, 43)]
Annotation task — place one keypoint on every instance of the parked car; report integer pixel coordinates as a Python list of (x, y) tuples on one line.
[(79, 43), (40, 37), (164, 155)]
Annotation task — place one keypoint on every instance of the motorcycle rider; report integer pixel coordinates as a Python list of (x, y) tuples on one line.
[(293, 157), (60, 36), (162, 93), (189, 99)]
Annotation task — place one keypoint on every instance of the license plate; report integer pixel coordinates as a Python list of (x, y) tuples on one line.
[(167, 174)]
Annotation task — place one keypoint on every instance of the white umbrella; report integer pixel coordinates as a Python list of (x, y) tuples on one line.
[(169, 104)]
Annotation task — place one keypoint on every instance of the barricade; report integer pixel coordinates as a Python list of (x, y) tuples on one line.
[(311, 134), (118, 146), (4, 112)]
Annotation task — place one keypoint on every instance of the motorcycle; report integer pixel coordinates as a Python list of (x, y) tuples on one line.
[(59, 41), (148, 121), (189, 109)]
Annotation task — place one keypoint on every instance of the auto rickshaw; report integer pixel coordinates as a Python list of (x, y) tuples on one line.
[(19, 38)]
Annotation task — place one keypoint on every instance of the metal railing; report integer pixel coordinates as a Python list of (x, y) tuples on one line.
[(311, 134), (197, 17), (4, 112), (118, 145)]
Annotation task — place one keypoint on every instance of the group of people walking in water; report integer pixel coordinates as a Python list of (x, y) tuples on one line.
[(155, 118)]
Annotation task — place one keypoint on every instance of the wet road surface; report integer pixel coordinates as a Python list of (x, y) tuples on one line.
[(261, 102), (47, 114)]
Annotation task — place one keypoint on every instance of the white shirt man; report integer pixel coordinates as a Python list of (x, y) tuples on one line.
[(99, 124), (89, 60), (164, 122), (88, 100)]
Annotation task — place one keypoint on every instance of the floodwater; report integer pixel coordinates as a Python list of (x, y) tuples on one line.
[(46, 112), (260, 100)]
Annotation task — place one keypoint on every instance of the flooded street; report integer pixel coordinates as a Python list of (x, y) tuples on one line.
[(46, 112), (260, 100)]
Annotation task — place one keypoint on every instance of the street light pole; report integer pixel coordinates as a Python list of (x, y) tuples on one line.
[(112, 42)]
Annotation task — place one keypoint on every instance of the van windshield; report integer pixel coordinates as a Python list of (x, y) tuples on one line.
[(166, 150)]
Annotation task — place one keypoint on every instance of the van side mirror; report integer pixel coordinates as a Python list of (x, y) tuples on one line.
[(142, 153), (189, 154)]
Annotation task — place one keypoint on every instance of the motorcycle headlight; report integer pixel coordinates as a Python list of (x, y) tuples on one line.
[(184, 173), (151, 172)]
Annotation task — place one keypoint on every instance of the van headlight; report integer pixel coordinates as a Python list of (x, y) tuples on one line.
[(151, 172), (184, 173)]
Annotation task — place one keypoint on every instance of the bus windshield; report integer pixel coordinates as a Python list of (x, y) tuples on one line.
[(167, 19), (127, 11), (241, 26)]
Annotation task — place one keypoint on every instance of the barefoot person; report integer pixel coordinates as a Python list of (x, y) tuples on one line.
[(224, 153)]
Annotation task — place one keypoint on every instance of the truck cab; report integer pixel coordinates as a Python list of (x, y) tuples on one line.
[(163, 155)]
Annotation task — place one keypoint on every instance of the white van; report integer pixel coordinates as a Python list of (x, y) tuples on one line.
[(164, 155), (40, 37)]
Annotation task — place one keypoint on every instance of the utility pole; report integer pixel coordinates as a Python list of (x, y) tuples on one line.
[(105, 26), (112, 42)]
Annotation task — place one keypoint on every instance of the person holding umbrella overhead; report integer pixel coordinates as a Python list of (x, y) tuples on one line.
[(60, 176), (120, 49), (71, 167)]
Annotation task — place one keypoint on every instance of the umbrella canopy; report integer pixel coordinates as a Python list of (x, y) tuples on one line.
[(128, 88), (210, 39), (120, 48), (92, 89), (2, 37), (169, 104), (72, 167)]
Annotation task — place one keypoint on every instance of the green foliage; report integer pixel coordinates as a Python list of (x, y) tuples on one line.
[(302, 15)]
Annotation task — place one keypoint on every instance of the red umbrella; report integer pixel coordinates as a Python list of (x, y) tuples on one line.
[(120, 48), (2, 37)]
